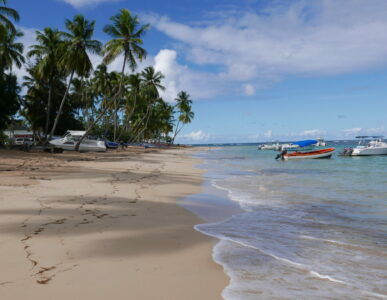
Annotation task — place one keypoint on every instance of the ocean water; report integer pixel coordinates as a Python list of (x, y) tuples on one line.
[(307, 229)]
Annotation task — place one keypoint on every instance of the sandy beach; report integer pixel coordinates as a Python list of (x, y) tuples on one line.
[(100, 226)]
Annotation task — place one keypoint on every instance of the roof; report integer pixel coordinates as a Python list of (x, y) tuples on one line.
[(305, 143), (369, 136), (76, 132)]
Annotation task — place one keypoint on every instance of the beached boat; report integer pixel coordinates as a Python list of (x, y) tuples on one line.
[(321, 153), (70, 139), (368, 145)]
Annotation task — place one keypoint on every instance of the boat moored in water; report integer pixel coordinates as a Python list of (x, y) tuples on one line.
[(295, 154), (368, 145), (321, 153)]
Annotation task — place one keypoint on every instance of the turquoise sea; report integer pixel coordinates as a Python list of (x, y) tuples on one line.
[(306, 229)]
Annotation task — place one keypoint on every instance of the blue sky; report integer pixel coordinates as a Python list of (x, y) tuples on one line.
[(257, 70)]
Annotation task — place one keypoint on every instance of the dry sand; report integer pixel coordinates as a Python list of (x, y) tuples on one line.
[(103, 226)]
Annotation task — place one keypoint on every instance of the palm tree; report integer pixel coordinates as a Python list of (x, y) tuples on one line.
[(6, 12), (183, 104), (75, 56), (10, 51), (151, 86), (48, 56), (127, 33), (135, 83)]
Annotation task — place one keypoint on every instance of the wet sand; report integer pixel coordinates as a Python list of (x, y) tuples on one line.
[(99, 226)]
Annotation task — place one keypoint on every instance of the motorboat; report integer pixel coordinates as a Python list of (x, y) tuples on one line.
[(275, 146), (109, 144), (369, 145), (71, 138), (321, 153), (320, 142), (288, 146), (310, 153)]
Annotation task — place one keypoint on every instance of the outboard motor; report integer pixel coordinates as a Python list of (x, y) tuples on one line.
[(281, 155), (348, 151)]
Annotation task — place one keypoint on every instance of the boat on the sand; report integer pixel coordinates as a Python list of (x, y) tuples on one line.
[(71, 138)]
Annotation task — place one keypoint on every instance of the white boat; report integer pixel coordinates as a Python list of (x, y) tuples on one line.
[(288, 146), (375, 146), (70, 139), (320, 143), (275, 146)]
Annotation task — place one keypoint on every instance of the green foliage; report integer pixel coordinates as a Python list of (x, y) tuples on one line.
[(127, 39), (5, 14), (9, 99), (10, 50), (35, 104), (64, 93)]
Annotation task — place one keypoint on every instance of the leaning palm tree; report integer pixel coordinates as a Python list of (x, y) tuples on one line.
[(75, 59), (5, 13), (151, 86), (127, 40), (183, 104), (47, 54), (11, 52)]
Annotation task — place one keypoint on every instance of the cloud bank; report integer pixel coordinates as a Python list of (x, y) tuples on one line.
[(304, 38), (83, 3)]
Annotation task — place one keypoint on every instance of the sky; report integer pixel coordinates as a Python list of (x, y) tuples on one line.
[(256, 70)]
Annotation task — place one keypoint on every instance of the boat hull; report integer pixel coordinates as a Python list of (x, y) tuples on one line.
[(323, 153), (369, 151), (88, 145)]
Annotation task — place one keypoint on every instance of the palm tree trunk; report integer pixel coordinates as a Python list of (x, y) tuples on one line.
[(145, 126), (95, 121), (61, 106), (132, 110), (173, 141), (48, 109), (115, 121), (105, 109), (176, 132), (137, 127)]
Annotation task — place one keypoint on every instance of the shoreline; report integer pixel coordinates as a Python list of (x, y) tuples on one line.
[(104, 225)]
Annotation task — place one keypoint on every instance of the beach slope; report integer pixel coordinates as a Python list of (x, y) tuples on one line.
[(100, 226)]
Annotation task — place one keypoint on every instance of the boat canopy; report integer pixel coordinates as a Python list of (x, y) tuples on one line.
[(305, 143), (75, 132), (369, 137)]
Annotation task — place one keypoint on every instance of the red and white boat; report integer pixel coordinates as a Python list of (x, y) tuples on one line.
[(321, 153)]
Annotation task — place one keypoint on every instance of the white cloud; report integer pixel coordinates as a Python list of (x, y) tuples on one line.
[(376, 130), (196, 136), (249, 89), (268, 134), (27, 40), (179, 77), (309, 38), (351, 131), (83, 3), (313, 133)]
